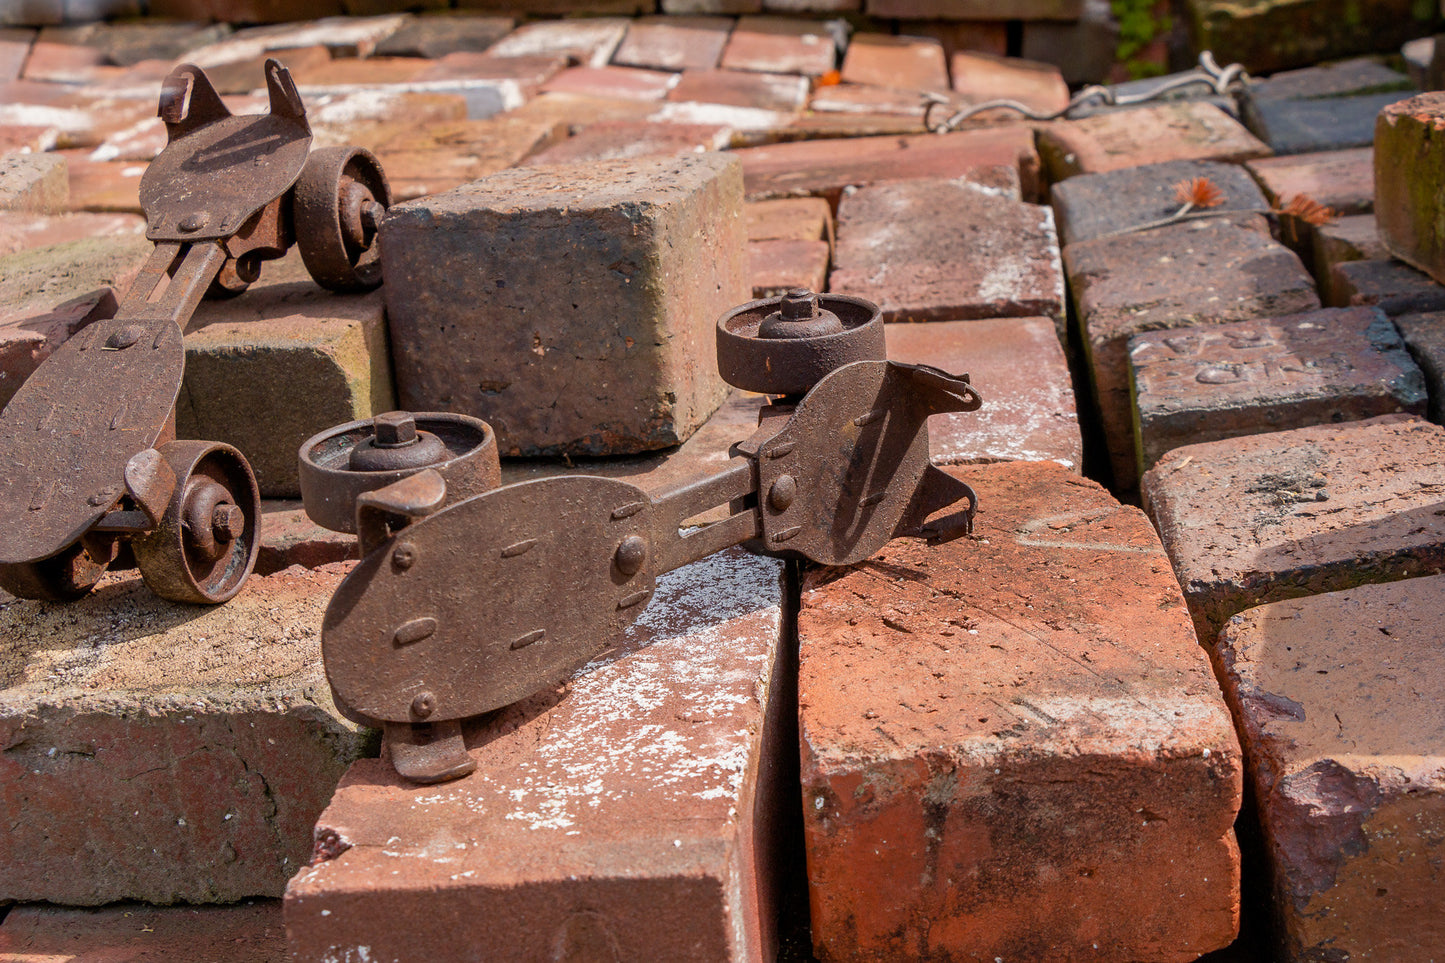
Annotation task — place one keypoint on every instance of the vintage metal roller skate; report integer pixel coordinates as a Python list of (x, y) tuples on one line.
[(91, 461), (464, 602)]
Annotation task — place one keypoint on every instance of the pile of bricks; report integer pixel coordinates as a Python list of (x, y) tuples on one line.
[(1089, 731)]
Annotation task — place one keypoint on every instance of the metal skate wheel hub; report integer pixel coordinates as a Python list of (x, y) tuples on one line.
[(786, 345)]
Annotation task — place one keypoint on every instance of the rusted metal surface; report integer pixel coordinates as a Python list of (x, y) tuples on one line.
[(89, 435), (462, 605)]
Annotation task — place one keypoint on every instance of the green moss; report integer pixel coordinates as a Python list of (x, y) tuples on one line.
[(1141, 22)]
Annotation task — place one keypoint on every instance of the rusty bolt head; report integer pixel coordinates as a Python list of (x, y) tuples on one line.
[(371, 213), (630, 555), (404, 555), (124, 337), (393, 429), (423, 705), (228, 522), (784, 490), (194, 222), (799, 304)]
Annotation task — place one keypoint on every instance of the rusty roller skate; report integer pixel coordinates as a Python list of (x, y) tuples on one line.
[(92, 461), (467, 601)]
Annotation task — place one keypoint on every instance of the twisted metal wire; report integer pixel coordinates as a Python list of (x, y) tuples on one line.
[(1220, 80)]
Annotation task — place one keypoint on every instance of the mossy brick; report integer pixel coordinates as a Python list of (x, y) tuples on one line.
[(248, 932), (1424, 334), (1001, 157), (1272, 35), (1393, 286), (572, 306), (1194, 385), (1178, 130), (1012, 746), (162, 752), (49, 293), (635, 811), (1335, 699), (937, 250), (37, 183), (1018, 366), (281, 362), (1409, 151), (974, 9), (1311, 510), (1203, 272), (1090, 205)]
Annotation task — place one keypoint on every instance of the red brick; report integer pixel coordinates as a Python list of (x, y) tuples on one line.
[(436, 36), (33, 13), (627, 139), (1393, 286), (685, 7), (983, 77), (935, 250), (590, 41), (656, 247), (250, 932), (777, 266), (33, 182), (1343, 180), (869, 99), (1352, 238), (354, 71), (47, 294), (750, 126), (517, 79), (1206, 384), (81, 117), (630, 811), (975, 9), (1311, 510), (1093, 205), (992, 157), (14, 47), (778, 45), (811, 6), (289, 537), (981, 36), (62, 63), (1425, 336), (742, 88), (1132, 283), (1012, 746), (674, 43), (103, 186), (306, 357), (627, 83), (1183, 130), (1018, 366), (1335, 697), (162, 752), (566, 8), (432, 158), (823, 125), (343, 36), (562, 111), (27, 139), (912, 63), (248, 75), (789, 218), (25, 232)]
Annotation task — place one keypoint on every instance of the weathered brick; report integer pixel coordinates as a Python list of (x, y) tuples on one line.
[(650, 252), (313, 79), (820, 124), (869, 99), (975, 9), (749, 125), (14, 47), (1407, 138), (1424, 335), (1195, 385), (1313, 126), (52, 60), (981, 77), (436, 36), (631, 811), (160, 752), (33, 13), (993, 157), (103, 186), (742, 88), (33, 182), (1083, 49), (1345, 78), (1183, 130), (250, 932), (590, 41), (1018, 366), (343, 36), (25, 232), (1342, 180), (1311, 510), (674, 43), (1352, 238), (1335, 697), (289, 537), (1132, 283), (285, 360), (47, 294), (1012, 746), (1091, 205), (624, 83), (935, 250), (1418, 55), (779, 265), (779, 45), (688, 7), (629, 139), (812, 6), (1275, 35), (1393, 286), (244, 76), (983, 36), (912, 63), (577, 110), (789, 218)]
